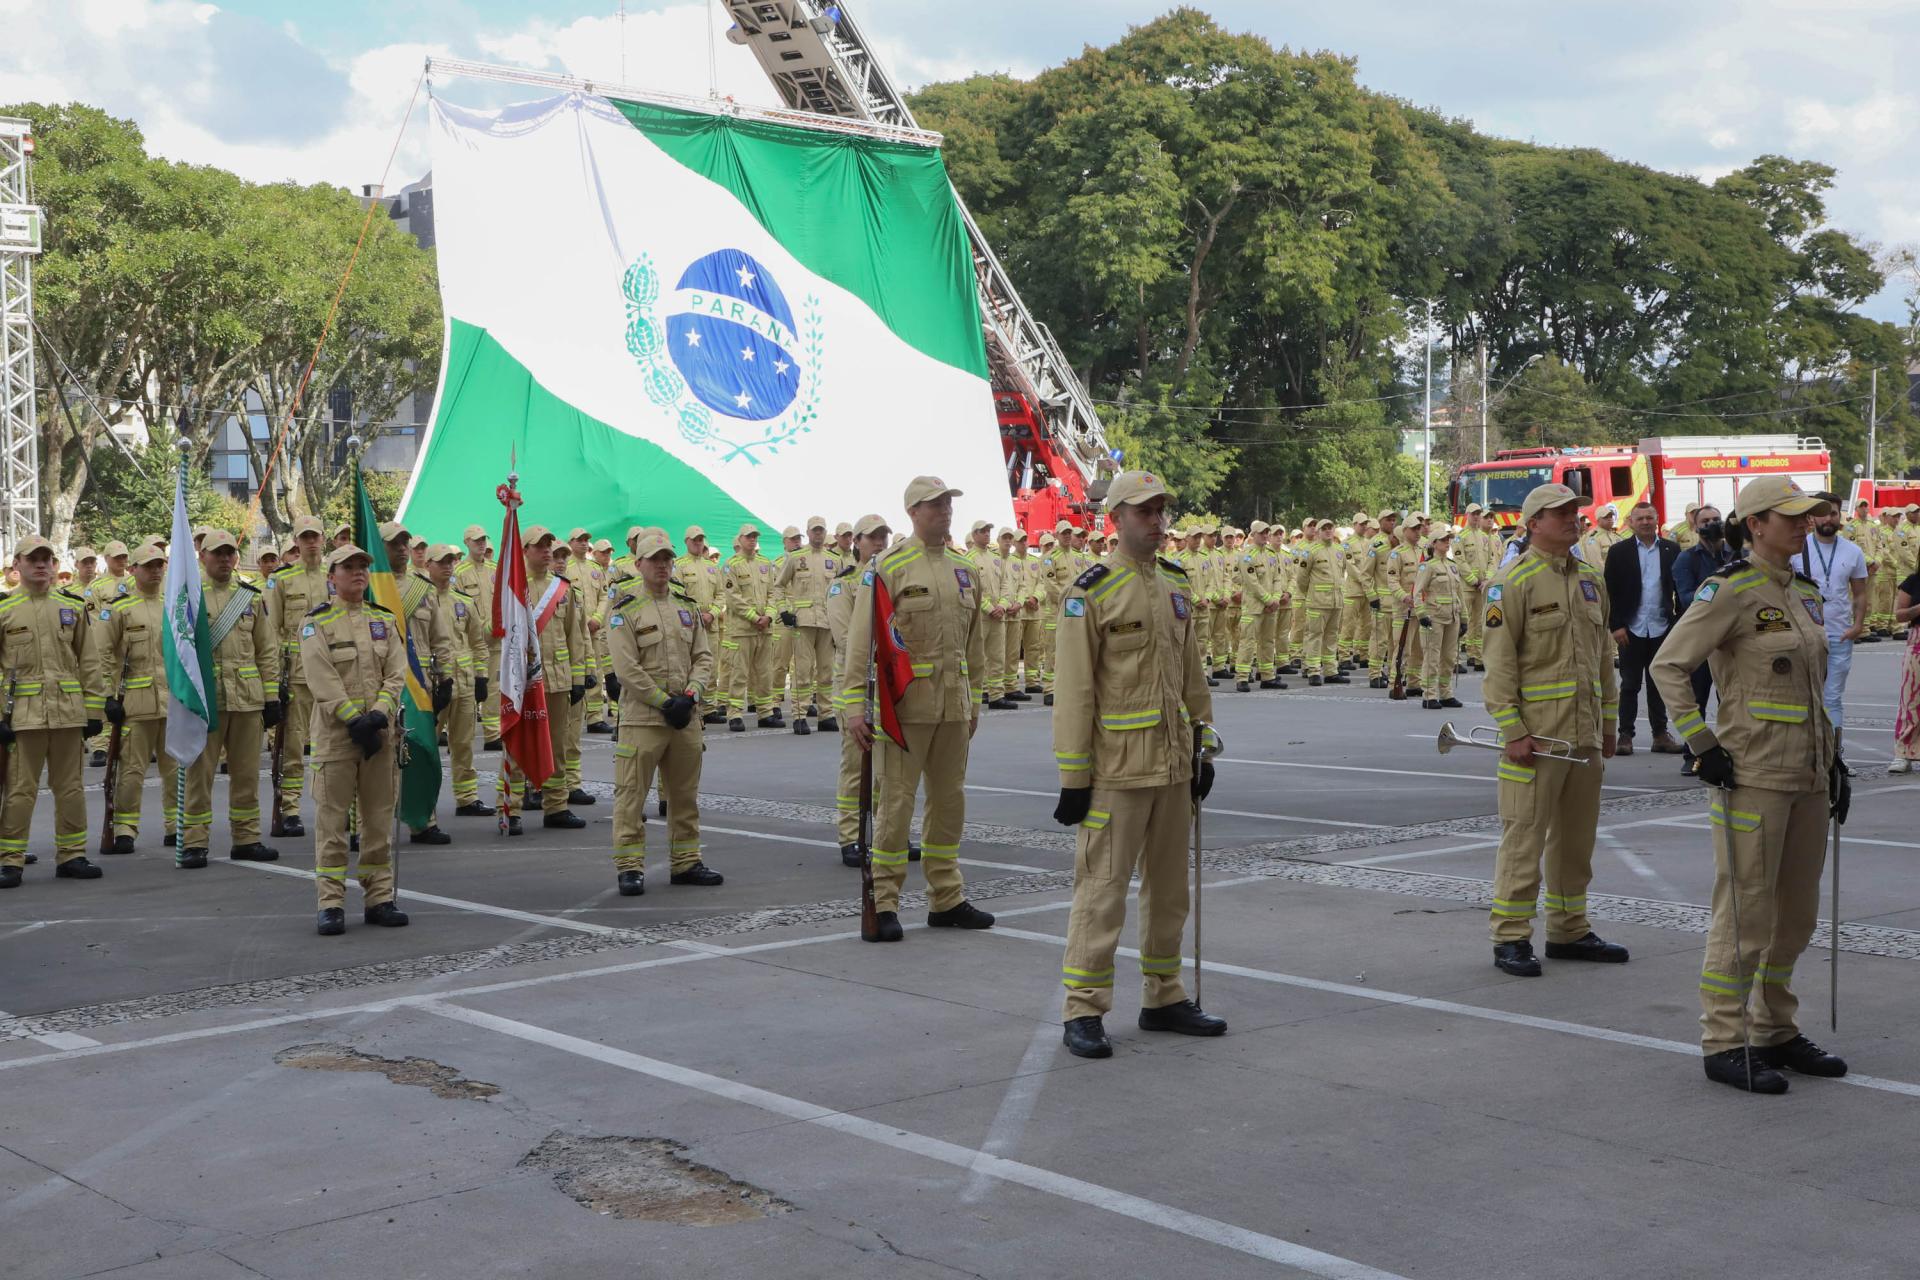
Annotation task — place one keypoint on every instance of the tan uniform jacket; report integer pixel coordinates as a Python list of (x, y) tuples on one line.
[(840, 596), (1380, 584), (103, 591), (476, 579), (563, 652), (467, 632), (353, 660), (49, 656), (132, 660), (1128, 684), (659, 650), (1251, 578), (1763, 632), (747, 588), (936, 609), (428, 627), (1318, 573), (1548, 653), (246, 662), (804, 577), (700, 577), (1439, 591), (294, 592)]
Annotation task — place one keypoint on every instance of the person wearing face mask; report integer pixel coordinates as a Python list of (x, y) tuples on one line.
[(1707, 556), (1839, 568)]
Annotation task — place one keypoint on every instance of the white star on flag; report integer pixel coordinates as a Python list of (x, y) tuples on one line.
[(693, 337), (746, 353), (780, 366), (745, 276), (743, 400)]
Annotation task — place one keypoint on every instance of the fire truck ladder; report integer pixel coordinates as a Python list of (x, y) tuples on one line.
[(820, 63)]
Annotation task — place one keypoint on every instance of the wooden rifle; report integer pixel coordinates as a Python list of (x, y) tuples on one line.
[(6, 753), (110, 781), (280, 744), (1399, 691)]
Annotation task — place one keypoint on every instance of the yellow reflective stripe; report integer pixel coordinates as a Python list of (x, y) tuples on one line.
[(1524, 572), (948, 851), (140, 682), (1130, 720), (1514, 908), (904, 556), (26, 688), (1746, 581), (1735, 819), (331, 873), (1106, 586), (1516, 772), (1096, 819), (69, 686), (882, 858), (922, 669), (1550, 691), (625, 750), (1562, 902), (347, 710), (1690, 723), (1721, 983), (1782, 712), (1777, 975), (1508, 715), (1159, 964)]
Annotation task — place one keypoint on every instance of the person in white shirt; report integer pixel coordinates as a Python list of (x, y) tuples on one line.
[(1838, 566)]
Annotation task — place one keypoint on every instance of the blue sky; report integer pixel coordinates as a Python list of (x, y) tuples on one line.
[(315, 91)]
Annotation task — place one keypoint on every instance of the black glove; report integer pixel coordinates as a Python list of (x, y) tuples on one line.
[(6, 733), (271, 714), (576, 693), (613, 686), (1426, 624), (1203, 781), (1374, 605), (286, 695), (116, 711), (1839, 790), (1073, 806), (678, 711), (1716, 767), (479, 688), (788, 618), (93, 727), (442, 694), (593, 682), (365, 730)]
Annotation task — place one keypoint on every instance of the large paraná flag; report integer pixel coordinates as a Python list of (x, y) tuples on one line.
[(186, 646), (687, 318), (415, 736)]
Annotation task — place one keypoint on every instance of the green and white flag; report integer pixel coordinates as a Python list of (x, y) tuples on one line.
[(193, 709), (687, 318)]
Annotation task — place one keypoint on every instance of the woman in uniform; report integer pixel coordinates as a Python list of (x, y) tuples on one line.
[(1770, 755), (1438, 592)]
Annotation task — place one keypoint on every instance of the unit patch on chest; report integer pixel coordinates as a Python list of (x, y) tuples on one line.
[(1814, 611), (964, 578), (1769, 619), (686, 618), (1180, 609), (377, 629)]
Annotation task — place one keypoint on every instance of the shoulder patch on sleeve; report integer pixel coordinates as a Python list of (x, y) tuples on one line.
[(1074, 607), (1091, 576), (307, 630)]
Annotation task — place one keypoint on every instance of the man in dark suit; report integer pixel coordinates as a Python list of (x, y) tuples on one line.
[(1639, 573)]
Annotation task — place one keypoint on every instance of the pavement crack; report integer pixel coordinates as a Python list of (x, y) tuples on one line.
[(898, 1252)]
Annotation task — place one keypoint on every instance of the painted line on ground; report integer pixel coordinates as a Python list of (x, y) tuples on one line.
[(480, 908), (1398, 999), (65, 1040), (830, 844), (1405, 773), (980, 1163), (1214, 809)]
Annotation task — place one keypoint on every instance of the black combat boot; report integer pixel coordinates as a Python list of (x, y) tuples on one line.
[(1516, 958), (1743, 1070), (1184, 1017), (1087, 1038), (332, 922), (886, 927), (964, 916), (566, 819), (699, 874), (1591, 947), (632, 884), (255, 852), (387, 914)]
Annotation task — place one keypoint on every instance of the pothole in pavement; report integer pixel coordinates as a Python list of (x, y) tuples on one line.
[(424, 1073), (648, 1179)]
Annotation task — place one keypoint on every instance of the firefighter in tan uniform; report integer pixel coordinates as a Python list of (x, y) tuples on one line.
[(1403, 568), (1770, 757), (1029, 601), (1439, 593), (1129, 697), (563, 566), (356, 669), (115, 581), (1479, 557), (662, 667), (562, 637), (746, 585), (293, 592), (468, 636), (803, 578), (431, 633), (247, 672), (1380, 598), (592, 581), (134, 667), (870, 537), (978, 553), (1253, 583), (54, 700), (699, 576), (1549, 672), (474, 575), (1356, 620), (938, 615), (1318, 581)]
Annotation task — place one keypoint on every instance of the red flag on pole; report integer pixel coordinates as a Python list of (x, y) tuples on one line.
[(523, 691), (892, 668)]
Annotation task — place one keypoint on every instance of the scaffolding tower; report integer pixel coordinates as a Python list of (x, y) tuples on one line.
[(20, 223)]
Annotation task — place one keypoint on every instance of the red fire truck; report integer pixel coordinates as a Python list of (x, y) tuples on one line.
[(1882, 494), (1669, 471)]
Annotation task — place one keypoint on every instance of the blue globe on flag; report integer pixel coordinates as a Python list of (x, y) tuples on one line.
[(730, 334)]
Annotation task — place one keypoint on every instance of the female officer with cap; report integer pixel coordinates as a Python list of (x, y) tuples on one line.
[(1770, 753)]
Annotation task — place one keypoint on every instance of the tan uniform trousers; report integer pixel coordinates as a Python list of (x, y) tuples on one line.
[(1476, 606), (1144, 827), (744, 654), (1246, 661), (1881, 589), (576, 726), (1443, 651), (1322, 640), (560, 719), (140, 742), (599, 705), (1550, 805), (1033, 649), (675, 755), (293, 760), (342, 786), (812, 669), (996, 645), (1415, 657), (490, 710), (63, 754), (1356, 624), (779, 665), (457, 723), (937, 752), (846, 798), (1293, 630), (239, 737), (1203, 616), (1273, 626), (1775, 841), (1380, 642)]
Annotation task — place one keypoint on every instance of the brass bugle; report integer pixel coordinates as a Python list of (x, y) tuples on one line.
[(1491, 742)]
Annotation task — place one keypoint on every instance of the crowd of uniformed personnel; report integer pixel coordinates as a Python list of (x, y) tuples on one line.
[(1122, 631)]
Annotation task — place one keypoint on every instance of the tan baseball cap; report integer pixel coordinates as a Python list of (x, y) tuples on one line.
[(842, 527), (1388, 513), (1692, 507), (746, 531), (603, 545), (441, 551), (1474, 509), (1324, 522), (534, 534), (1774, 493), (84, 553), (218, 538), (473, 531), (791, 531), (31, 543), (1005, 534), (1048, 540), (978, 525), (652, 543), (1258, 526), (926, 488), (112, 549), (1136, 487), (1608, 512), (1543, 497), (308, 524), (693, 531), (391, 529), (579, 532), (340, 555), (1360, 518), (815, 522), (869, 524), (345, 526), (1063, 526), (1444, 533)]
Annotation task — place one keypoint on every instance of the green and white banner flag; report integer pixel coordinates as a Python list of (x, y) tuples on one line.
[(186, 644), (681, 318)]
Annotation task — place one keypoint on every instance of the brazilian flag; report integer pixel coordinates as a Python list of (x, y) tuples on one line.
[(420, 743)]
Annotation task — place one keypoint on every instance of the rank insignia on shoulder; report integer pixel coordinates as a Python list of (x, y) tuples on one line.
[(1495, 618), (1091, 576)]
